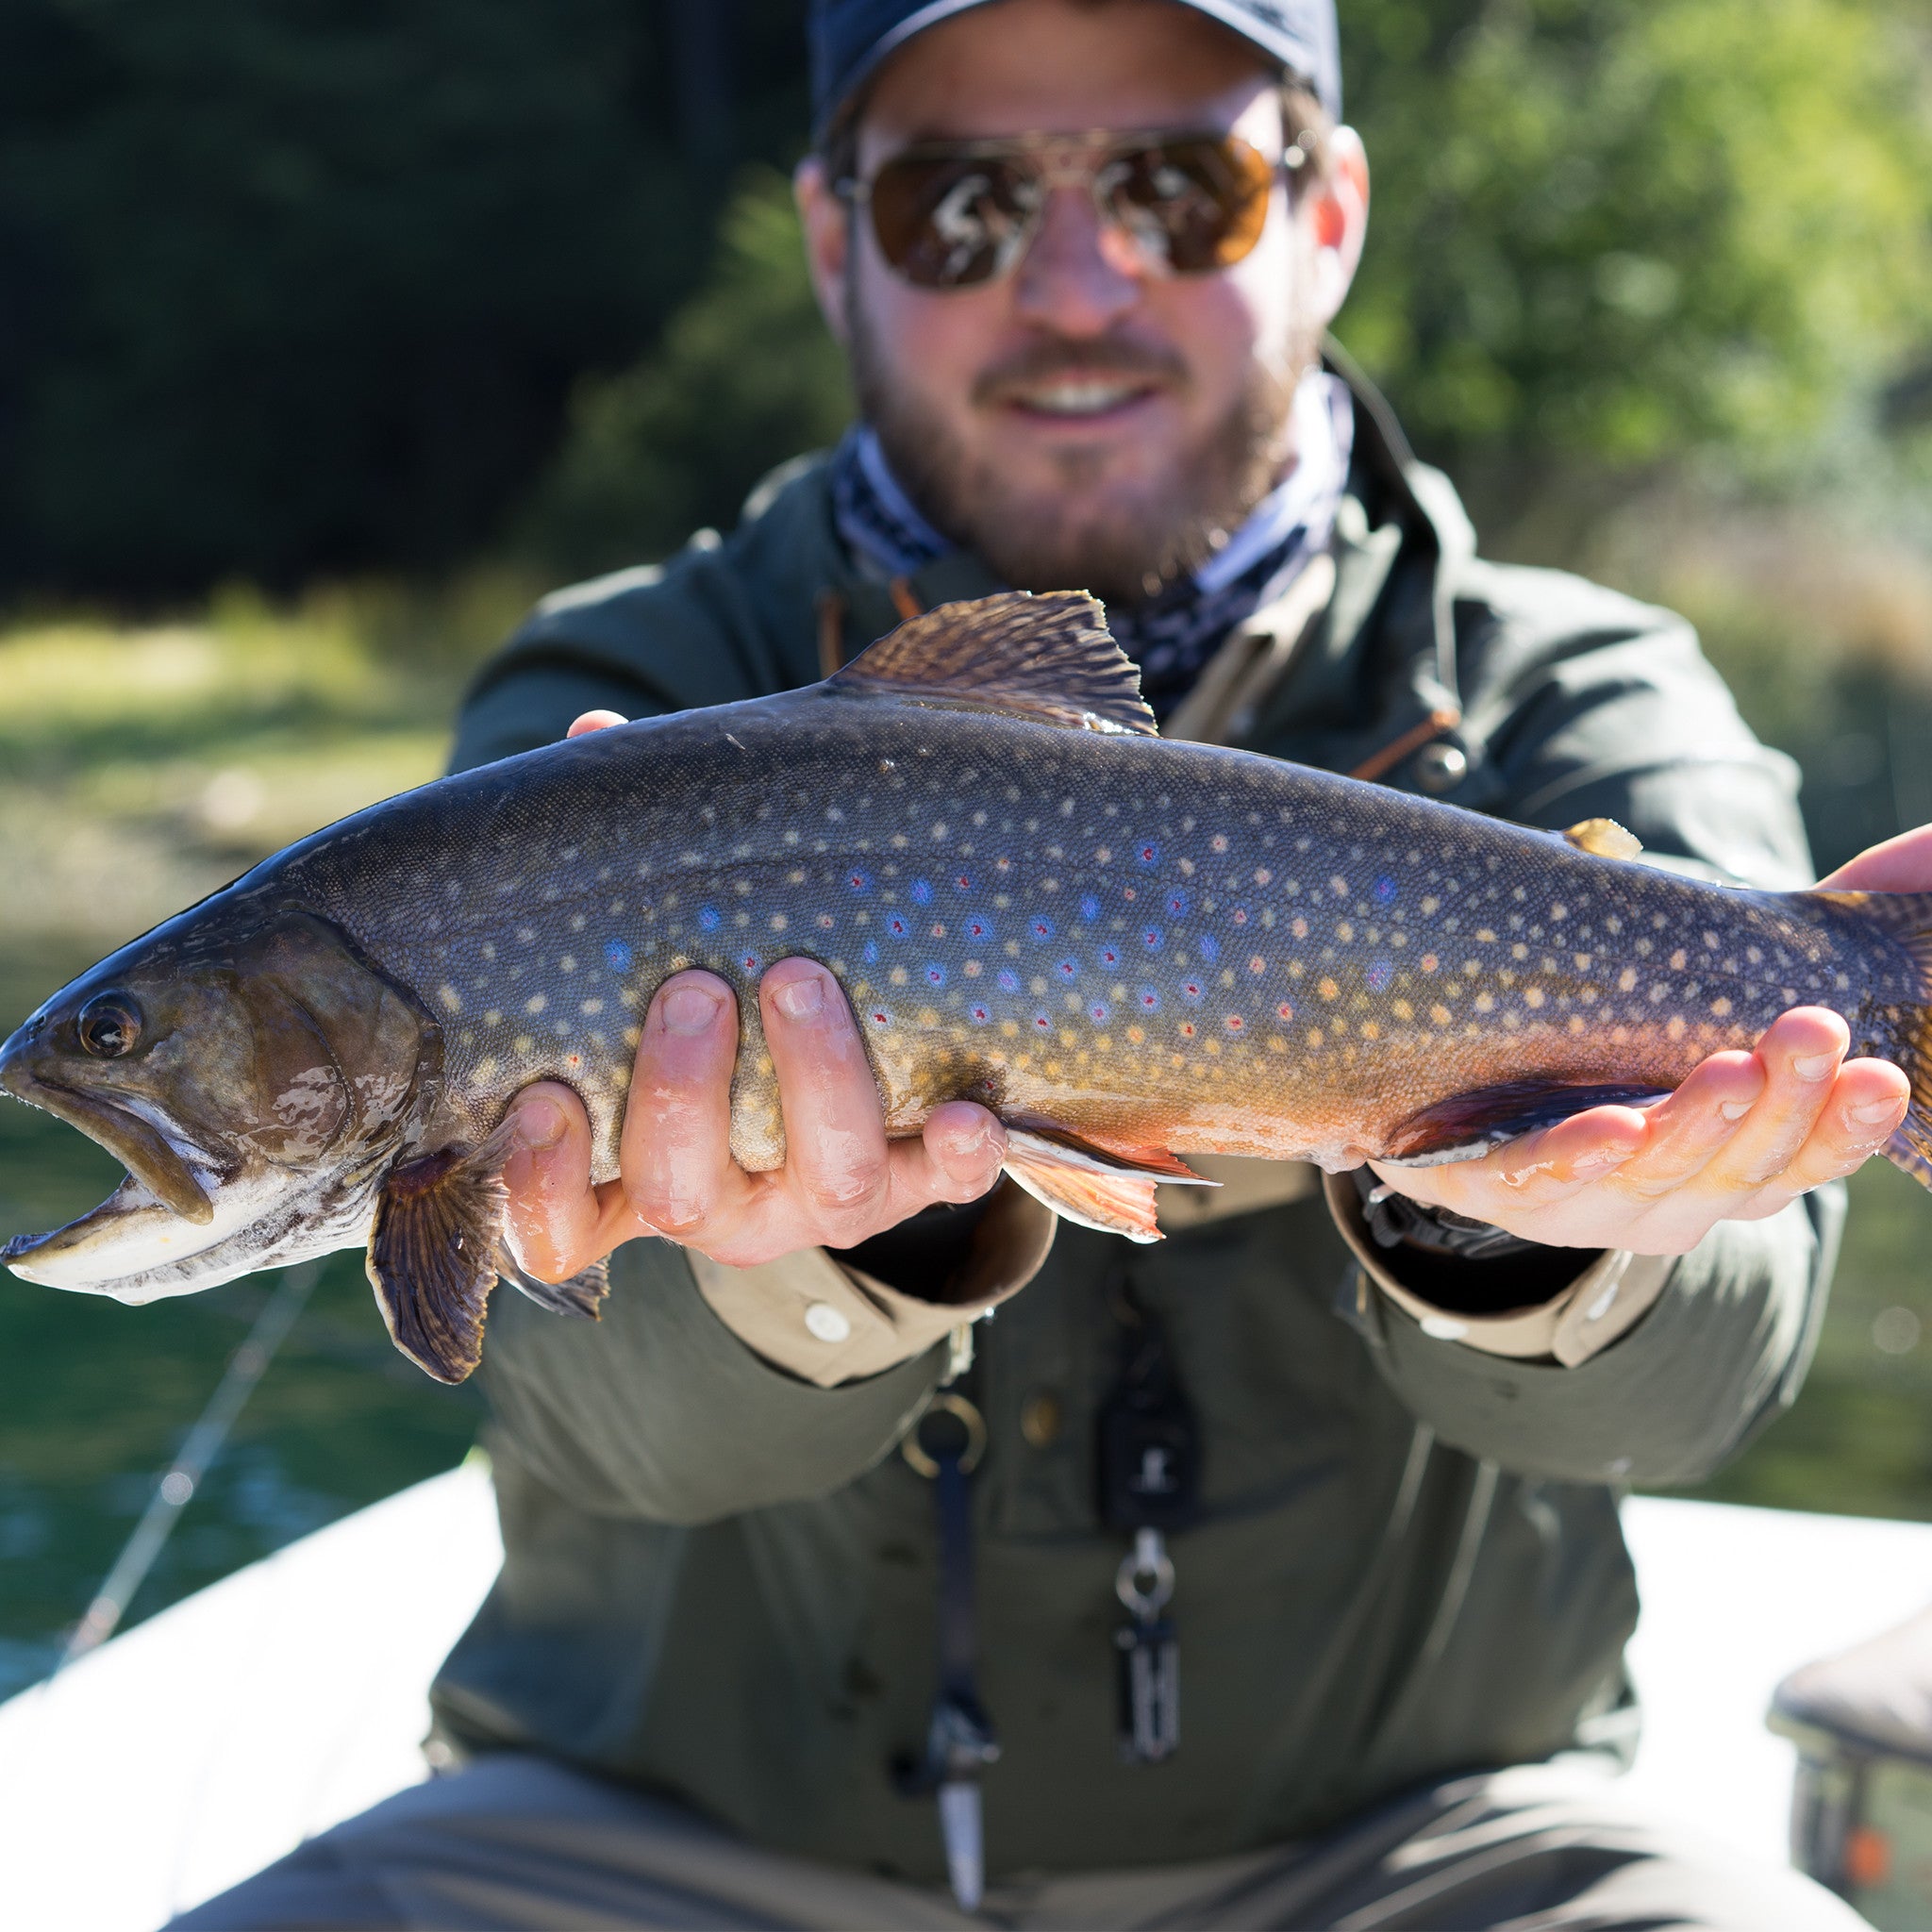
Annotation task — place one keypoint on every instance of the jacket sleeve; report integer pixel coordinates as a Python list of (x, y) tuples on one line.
[(1585, 704)]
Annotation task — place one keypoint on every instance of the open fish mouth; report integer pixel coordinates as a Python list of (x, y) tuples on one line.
[(161, 1184)]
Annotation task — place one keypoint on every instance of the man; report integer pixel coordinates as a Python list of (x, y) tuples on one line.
[(1343, 1459)]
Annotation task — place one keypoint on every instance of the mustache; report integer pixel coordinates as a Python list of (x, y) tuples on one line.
[(1053, 355)]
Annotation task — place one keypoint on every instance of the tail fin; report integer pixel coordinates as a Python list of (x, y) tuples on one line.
[(1906, 918)]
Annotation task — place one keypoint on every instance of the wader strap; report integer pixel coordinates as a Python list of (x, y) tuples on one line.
[(945, 1446)]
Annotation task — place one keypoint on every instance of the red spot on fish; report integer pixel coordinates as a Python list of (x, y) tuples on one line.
[(1219, 842), (1187, 1030), (962, 882), (878, 1019), (1286, 1010), (1240, 915), (1258, 964), (1429, 963), (1234, 1022)]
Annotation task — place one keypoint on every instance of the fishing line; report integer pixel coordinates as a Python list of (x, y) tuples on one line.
[(204, 1441)]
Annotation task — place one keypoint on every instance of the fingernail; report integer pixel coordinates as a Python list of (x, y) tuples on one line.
[(1869, 1116), (540, 1124), (800, 999), (1602, 1160), (1736, 1109), (1814, 1066), (690, 1009)]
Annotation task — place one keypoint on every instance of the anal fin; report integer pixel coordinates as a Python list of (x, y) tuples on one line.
[(433, 1251), (1468, 1126), (582, 1295), (1097, 1186)]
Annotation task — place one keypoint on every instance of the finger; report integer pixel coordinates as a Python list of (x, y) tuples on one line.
[(1902, 864), (835, 1130), (956, 1158), (553, 1215), (1868, 1101), (1690, 1128), (1529, 1173), (679, 1173), (594, 721), (1800, 1053)]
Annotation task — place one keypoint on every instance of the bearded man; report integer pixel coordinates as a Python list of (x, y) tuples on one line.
[(823, 1607)]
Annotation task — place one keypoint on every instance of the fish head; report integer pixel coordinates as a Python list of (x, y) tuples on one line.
[(253, 1074)]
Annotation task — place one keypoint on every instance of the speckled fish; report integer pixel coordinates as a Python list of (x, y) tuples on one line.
[(1130, 949)]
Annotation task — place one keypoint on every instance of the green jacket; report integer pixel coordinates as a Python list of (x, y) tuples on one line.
[(719, 1578)]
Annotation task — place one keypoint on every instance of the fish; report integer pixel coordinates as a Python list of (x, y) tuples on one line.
[(1131, 949)]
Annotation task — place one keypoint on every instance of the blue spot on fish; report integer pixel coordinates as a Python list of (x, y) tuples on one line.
[(1176, 903), (979, 1015), (921, 893), (1097, 1012), (1192, 992), (1089, 906), (1149, 998), (1210, 948), (1069, 969), (897, 926), (1151, 939), (977, 929), (1009, 982), (935, 974), (1385, 891), (871, 955), (858, 881), (1380, 973), (748, 962), (1148, 855), (1040, 927), (708, 918), (1109, 956), (617, 956)]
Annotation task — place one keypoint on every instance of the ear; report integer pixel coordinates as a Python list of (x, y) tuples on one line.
[(1337, 212), (828, 225)]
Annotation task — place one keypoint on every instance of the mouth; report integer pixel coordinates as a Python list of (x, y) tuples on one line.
[(161, 1178), (1080, 399)]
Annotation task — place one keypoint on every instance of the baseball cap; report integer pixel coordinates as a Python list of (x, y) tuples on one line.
[(850, 38)]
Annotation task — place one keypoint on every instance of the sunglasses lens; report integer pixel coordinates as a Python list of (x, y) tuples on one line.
[(948, 222), (1193, 204)]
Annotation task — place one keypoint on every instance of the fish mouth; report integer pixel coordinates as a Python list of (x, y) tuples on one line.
[(159, 1173)]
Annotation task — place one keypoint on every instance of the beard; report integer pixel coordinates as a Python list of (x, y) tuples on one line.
[(1126, 547)]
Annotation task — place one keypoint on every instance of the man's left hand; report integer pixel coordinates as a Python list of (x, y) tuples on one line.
[(1745, 1133)]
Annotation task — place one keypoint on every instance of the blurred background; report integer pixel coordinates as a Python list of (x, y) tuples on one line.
[(332, 333)]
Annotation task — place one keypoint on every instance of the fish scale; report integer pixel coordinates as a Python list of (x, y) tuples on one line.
[(1130, 949)]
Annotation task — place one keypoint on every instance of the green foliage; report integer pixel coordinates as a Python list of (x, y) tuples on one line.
[(292, 287), (745, 376), (1618, 229)]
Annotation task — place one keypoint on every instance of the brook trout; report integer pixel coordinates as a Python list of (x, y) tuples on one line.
[(1129, 949)]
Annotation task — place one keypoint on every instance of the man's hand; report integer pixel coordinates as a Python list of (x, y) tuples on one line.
[(1745, 1134), (841, 1182)]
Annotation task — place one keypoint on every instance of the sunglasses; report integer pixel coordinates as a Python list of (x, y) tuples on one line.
[(955, 214)]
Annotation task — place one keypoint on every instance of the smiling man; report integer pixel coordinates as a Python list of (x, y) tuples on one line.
[(822, 1605)]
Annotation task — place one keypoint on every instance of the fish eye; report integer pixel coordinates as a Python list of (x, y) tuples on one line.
[(108, 1025)]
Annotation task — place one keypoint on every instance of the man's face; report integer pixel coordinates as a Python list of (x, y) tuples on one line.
[(1085, 421)]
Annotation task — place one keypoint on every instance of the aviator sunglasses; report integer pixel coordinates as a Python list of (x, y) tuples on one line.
[(954, 215)]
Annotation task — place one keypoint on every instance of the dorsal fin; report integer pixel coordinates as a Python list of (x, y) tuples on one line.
[(1047, 658)]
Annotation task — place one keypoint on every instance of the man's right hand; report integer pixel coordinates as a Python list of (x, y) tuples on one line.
[(842, 1180)]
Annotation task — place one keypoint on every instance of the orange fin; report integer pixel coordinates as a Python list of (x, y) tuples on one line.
[(1049, 658), (1605, 837), (1094, 1187)]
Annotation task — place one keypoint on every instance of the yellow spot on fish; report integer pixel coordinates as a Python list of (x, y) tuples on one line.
[(1485, 1003), (1314, 1035), (452, 1000), (535, 1003), (1440, 1014), (1720, 1007), (1533, 996), (1675, 1029), (1487, 935), (1299, 927), (523, 1043), (1344, 932), (1329, 989), (1678, 959), (779, 922), (1371, 1030), (1627, 980), (1402, 1009)]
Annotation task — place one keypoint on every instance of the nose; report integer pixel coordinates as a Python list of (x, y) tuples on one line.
[(1072, 280)]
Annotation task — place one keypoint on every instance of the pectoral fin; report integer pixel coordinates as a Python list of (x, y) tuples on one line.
[(432, 1255), (1097, 1186)]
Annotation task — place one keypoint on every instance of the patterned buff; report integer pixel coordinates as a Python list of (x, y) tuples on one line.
[(1174, 635)]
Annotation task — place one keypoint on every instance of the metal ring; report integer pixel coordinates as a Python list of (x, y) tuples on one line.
[(1155, 1564), (975, 1436)]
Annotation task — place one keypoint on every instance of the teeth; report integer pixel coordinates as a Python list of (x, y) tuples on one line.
[(1072, 398)]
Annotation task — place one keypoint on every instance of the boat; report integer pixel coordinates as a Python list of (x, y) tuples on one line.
[(187, 1752)]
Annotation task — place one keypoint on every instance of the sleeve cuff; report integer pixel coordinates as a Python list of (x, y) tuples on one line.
[(828, 1323), (1609, 1295)]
